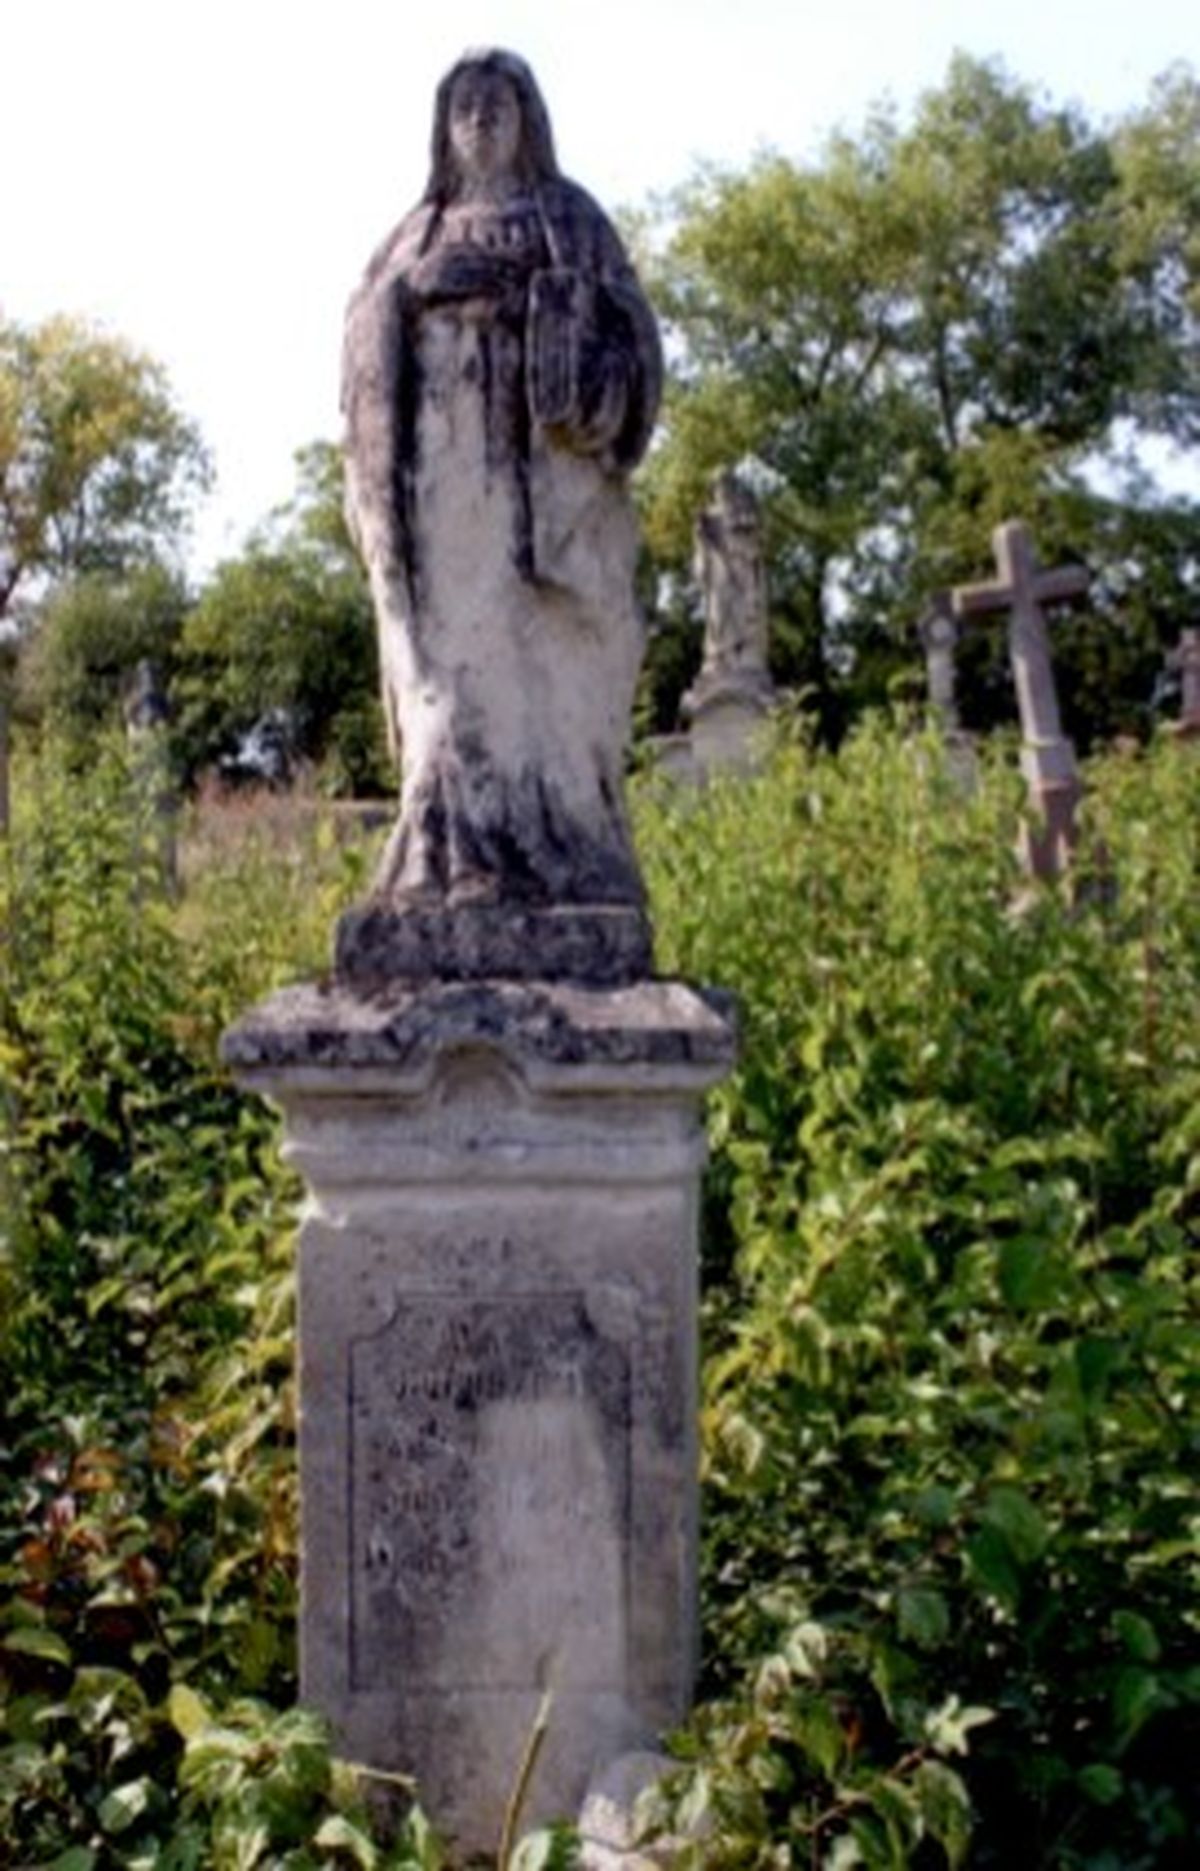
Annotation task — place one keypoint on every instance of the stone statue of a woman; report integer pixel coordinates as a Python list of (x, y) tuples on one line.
[(502, 373)]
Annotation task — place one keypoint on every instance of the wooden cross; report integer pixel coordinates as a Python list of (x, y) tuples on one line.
[(1186, 659), (1023, 590)]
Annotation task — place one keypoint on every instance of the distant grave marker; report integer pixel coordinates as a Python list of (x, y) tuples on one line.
[(728, 703), (146, 711), (1186, 659), (7, 665), (938, 631), (1023, 591), (939, 636), (3, 765)]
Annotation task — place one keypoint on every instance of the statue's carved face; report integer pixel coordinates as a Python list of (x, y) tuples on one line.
[(485, 126)]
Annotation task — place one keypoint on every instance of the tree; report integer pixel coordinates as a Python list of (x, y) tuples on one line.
[(927, 330), (92, 634), (281, 643), (97, 464)]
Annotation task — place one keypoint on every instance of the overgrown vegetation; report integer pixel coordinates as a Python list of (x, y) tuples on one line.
[(949, 1394), (950, 1387)]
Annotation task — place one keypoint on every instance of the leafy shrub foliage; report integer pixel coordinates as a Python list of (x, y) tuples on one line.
[(950, 1387), (949, 1394)]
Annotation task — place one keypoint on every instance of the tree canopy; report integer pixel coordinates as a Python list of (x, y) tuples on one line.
[(282, 638), (92, 633), (981, 315), (97, 463)]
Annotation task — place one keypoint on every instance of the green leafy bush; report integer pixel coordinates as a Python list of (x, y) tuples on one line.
[(949, 1391), (950, 1388)]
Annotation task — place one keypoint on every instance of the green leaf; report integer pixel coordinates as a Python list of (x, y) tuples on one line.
[(337, 1833), (819, 1733), (945, 1808), (1102, 1783), (1136, 1695), (1138, 1636), (125, 1805), (1013, 1515), (935, 1506), (991, 1561), (551, 1848), (34, 1640), (1029, 1274), (874, 1846), (898, 1809), (188, 1713), (75, 1858), (923, 1616), (806, 1648), (1097, 1360)]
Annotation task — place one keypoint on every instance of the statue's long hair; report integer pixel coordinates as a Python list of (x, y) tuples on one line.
[(536, 161)]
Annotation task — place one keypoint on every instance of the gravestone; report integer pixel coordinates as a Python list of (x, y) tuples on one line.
[(1022, 592), (4, 764), (938, 631), (727, 705), (939, 637), (146, 712), (7, 675), (1185, 658), (495, 1106)]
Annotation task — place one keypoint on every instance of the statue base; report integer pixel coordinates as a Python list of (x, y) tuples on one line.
[(606, 945), (727, 714), (497, 1370)]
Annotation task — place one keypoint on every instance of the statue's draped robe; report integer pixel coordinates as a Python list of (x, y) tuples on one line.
[(501, 551)]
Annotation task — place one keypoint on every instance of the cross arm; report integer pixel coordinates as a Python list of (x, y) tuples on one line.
[(978, 600), (1071, 581)]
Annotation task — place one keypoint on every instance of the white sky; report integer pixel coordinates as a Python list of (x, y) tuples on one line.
[(209, 179)]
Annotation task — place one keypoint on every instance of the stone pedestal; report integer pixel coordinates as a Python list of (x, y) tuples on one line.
[(497, 1369), (727, 715)]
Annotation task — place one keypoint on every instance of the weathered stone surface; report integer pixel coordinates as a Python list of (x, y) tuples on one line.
[(497, 1369), (1185, 658), (536, 1027), (939, 637), (727, 705), (497, 1114), (938, 630), (1022, 592), (728, 727), (732, 576), (599, 944), (502, 373), (610, 1823)]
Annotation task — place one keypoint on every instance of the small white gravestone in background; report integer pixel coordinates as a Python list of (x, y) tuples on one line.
[(1022, 592), (496, 1107), (939, 636), (727, 705), (1186, 659)]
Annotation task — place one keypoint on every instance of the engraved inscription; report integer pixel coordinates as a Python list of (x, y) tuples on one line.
[(489, 1495)]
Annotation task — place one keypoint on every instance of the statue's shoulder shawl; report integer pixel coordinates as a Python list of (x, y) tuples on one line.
[(393, 254), (577, 228)]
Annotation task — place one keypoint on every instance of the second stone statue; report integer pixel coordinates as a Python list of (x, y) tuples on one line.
[(502, 373)]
